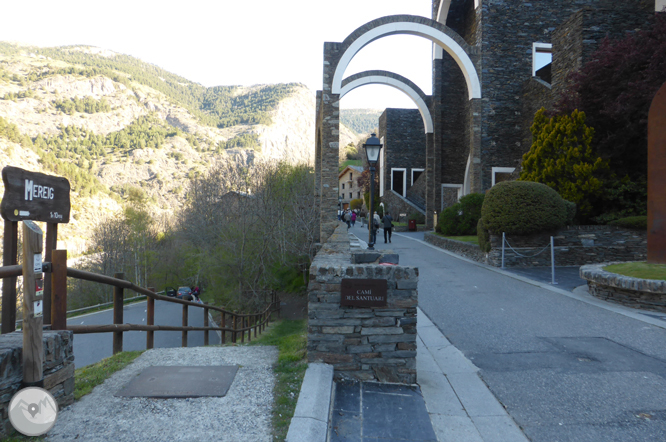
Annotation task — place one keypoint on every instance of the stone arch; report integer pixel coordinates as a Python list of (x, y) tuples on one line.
[(424, 27), (396, 81)]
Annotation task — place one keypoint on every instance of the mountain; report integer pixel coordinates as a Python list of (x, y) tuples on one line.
[(111, 123), (361, 121)]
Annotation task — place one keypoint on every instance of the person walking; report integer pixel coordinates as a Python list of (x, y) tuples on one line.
[(347, 217), (375, 226), (353, 219), (388, 226)]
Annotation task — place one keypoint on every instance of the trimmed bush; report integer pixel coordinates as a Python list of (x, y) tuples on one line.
[(483, 236), (523, 208), (571, 212), (631, 222), (461, 218)]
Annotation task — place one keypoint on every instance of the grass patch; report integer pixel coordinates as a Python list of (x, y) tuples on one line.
[(90, 376), (641, 270), (473, 238), (346, 163), (290, 337)]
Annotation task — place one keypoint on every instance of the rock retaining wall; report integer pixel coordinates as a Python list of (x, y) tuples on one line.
[(376, 343), (575, 245), (632, 292), (58, 370), (466, 249)]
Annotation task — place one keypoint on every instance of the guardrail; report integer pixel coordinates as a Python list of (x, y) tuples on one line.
[(236, 324)]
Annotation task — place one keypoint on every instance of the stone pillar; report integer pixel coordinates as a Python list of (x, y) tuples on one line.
[(476, 181), (330, 144), (317, 166), (433, 181), (657, 179)]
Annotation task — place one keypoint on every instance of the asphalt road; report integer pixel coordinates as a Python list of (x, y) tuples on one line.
[(564, 369), (93, 347)]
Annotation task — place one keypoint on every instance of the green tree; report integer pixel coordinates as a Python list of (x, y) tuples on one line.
[(562, 157)]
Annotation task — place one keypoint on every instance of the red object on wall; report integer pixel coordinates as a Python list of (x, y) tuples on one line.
[(412, 225)]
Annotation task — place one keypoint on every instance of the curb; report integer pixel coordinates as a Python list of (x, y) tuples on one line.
[(310, 421)]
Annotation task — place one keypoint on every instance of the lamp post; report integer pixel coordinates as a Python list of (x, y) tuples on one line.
[(372, 147)]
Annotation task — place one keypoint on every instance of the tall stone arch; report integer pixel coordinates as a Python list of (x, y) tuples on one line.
[(420, 99), (337, 57)]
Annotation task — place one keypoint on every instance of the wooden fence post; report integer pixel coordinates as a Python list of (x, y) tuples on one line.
[(33, 290), (118, 296), (234, 324), (51, 241), (223, 325), (59, 290), (184, 335), (9, 258), (248, 321), (150, 320), (205, 324)]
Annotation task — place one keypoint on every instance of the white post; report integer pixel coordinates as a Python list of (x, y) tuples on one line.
[(552, 259), (502, 249)]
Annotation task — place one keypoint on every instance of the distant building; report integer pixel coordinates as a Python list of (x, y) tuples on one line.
[(348, 188)]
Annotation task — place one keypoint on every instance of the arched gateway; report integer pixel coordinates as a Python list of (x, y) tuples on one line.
[(337, 57)]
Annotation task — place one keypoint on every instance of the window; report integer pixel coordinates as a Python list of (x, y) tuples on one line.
[(659, 5), (501, 174), (343, 185), (398, 181), (542, 58), (359, 195), (351, 184), (350, 176), (350, 195), (416, 173)]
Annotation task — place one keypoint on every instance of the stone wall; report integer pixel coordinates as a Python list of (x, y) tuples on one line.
[(504, 31), (536, 94), (58, 370), (625, 290), (404, 143), (575, 245), (466, 249), (362, 343)]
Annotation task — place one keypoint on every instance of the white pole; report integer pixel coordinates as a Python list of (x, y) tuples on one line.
[(552, 259), (502, 249)]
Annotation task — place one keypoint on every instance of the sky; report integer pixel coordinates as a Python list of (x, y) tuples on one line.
[(232, 42)]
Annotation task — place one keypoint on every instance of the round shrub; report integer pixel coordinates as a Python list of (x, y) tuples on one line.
[(571, 212), (483, 235), (631, 222), (462, 217), (523, 208)]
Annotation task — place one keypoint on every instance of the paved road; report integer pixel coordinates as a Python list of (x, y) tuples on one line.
[(564, 369), (91, 348)]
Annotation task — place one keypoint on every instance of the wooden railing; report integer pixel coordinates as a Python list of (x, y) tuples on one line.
[(237, 325)]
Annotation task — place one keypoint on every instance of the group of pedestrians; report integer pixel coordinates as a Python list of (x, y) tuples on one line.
[(348, 216)]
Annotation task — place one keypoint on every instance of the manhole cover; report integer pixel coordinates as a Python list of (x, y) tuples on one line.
[(181, 382)]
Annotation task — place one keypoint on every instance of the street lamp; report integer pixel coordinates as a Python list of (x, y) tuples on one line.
[(372, 147)]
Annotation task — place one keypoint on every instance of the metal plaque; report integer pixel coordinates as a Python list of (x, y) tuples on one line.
[(181, 382), (364, 292), (34, 196)]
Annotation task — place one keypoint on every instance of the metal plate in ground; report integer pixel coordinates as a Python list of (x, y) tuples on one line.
[(181, 382)]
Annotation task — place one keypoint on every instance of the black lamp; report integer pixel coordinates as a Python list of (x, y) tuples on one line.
[(372, 148)]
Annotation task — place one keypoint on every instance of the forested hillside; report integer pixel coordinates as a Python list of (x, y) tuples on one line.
[(116, 126), (361, 121)]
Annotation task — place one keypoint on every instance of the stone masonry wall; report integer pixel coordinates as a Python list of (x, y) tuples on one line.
[(58, 370), (575, 245), (404, 142), (505, 31), (361, 343)]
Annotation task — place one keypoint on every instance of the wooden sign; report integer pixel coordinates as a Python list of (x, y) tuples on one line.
[(34, 196), (364, 292)]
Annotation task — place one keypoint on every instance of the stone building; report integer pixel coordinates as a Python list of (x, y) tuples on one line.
[(495, 63), (347, 185)]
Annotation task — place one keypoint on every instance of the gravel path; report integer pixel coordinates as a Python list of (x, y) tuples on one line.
[(244, 414)]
